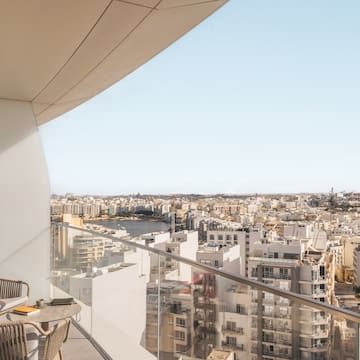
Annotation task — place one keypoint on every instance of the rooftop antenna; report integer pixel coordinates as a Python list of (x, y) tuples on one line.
[(172, 223), (332, 200), (332, 207)]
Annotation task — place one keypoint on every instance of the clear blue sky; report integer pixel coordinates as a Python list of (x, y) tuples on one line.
[(261, 97)]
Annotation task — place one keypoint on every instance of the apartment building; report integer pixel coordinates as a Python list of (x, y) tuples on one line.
[(281, 330), (175, 317), (245, 237), (183, 243), (298, 230), (234, 320), (206, 307), (117, 321), (356, 273), (221, 308), (86, 251), (60, 248), (225, 257)]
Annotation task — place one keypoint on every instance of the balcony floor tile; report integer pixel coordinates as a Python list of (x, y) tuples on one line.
[(78, 347)]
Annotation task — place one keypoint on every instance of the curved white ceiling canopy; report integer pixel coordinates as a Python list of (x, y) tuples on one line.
[(58, 54)]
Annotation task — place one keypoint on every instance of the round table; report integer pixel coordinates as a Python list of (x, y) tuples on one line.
[(48, 314)]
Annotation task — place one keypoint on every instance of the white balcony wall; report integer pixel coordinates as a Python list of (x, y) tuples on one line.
[(119, 313), (24, 194)]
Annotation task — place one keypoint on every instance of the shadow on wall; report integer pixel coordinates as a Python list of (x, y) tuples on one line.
[(23, 246)]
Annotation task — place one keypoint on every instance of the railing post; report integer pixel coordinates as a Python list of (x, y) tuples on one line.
[(158, 309), (357, 339)]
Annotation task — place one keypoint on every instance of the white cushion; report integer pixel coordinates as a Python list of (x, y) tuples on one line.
[(12, 302)]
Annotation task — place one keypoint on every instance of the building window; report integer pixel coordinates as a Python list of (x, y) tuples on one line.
[(212, 237), (231, 325), (180, 322), (180, 335), (231, 340), (235, 237), (241, 309), (220, 237), (180, 348), (216, 263), (268, 272), (313, 275), (284, 273), (322, 272), (283, 351), (228, 238)]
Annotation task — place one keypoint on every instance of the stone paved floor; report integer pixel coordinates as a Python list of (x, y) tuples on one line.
[(78, 347)]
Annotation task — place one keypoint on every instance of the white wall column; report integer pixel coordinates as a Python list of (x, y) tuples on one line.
[(24, 199)]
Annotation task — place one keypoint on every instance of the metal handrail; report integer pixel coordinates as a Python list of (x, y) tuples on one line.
[(297, 298)]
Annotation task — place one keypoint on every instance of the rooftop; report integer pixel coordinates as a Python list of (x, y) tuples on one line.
[(220, 355)]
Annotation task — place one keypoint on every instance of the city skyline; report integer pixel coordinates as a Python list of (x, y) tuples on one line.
[(304, 245), (190, 194), (251, 101)]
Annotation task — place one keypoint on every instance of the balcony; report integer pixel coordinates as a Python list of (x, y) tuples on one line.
[(284, 329), (284, 341), (268, 301), (233, 346), (266, 313), (319, 320), (254, 349), (78, 346), (144, 292), (283, 314), (268, 352), (268, 339), (316, 334), (284, 355), (315, 348), (319, 280), (316, 320), (276, 276), (208, 329), (235, 330), (268, 326)]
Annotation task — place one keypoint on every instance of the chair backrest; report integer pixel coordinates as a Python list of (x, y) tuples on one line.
[(20, 340), (56, 338), (10, 288), (13, 345)]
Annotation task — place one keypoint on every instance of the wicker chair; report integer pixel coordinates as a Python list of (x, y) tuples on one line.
[(21, 340), (12, 294)]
